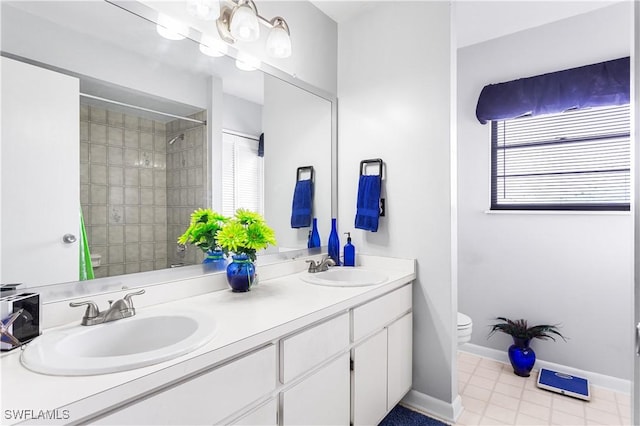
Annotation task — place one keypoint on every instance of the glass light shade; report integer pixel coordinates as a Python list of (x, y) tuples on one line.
[(207, 10), (244, 23), (171, 29), (278, 43), (247, 62), (213, 47)]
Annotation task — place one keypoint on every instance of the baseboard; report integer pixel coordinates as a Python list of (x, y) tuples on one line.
[(433, 407), (596, 379)]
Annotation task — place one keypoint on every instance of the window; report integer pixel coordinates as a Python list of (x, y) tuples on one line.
[(242, 174), (575, 160)]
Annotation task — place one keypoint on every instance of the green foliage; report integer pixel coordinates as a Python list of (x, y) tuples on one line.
[(519, 329), (203, 229), (246, 233)]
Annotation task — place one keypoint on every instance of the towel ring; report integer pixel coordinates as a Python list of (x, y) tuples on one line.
[(305, 169), (377, 161)]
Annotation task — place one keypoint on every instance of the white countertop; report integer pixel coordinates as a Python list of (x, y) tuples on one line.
[(272, 309)]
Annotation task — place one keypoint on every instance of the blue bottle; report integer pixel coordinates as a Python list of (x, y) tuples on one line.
[(334, 243), (349, 252), (314, 237)]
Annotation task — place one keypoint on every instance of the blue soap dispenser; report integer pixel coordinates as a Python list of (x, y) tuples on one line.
[(349, 252)]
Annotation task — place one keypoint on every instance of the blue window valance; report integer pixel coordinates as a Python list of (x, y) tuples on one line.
[(601, 84)]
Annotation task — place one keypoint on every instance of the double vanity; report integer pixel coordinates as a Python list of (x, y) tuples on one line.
[(332, 347)]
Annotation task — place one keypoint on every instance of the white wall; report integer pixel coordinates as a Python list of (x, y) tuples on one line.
[(394, 103), (571, 269), (241, 115), (297, 133), (314, 42)]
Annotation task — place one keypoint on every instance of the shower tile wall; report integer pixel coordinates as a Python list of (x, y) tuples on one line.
[(186, 184), (123, 190)]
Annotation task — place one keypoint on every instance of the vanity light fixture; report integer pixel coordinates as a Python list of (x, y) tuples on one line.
[(171, 29), (207, 10), (278, 41), (242, 22)]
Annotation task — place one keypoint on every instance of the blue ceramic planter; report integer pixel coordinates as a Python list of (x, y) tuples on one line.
[(241, 273), (522, 357)]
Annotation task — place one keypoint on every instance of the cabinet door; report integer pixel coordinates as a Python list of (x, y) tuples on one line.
[(399, 351), (369, 375), (40, 180), (207, 398), (321, 399)]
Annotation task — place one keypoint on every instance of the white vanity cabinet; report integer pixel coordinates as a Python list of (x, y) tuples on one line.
[(353, 368), (345, 362), (207, 398), (381, 354)]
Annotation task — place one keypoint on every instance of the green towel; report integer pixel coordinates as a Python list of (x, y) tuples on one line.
[(86, 269)]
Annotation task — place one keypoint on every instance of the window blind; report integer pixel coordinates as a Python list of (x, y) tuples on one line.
[(242, 175), (576, 160)]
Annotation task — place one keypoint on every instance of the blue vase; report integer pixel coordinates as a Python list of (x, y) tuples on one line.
[(314, 238), (214, 260), (241, 273), (522, 357), (334, 243)]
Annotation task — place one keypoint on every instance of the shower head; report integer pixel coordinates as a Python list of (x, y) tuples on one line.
[(175, 138)]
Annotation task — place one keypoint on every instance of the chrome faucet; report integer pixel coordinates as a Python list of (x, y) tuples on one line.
[(321, 265), (122, 308)]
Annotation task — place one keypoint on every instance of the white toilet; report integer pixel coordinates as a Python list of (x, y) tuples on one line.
[(464, 328)]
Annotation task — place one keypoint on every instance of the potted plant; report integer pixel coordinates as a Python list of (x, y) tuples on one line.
[(521, 356), (243, 235), (203, 233)]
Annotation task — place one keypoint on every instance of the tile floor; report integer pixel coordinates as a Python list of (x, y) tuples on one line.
[(493, 395)]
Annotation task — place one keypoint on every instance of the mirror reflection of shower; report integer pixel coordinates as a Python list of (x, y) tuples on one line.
[(175, 138)]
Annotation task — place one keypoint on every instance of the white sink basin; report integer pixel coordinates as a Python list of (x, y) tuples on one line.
[(125, 344), (345, 276)]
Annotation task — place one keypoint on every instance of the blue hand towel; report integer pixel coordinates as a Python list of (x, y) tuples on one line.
[(302, 202), (368, 205)]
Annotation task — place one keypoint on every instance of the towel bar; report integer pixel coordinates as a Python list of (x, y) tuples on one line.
[(305, 169), (377, 161)]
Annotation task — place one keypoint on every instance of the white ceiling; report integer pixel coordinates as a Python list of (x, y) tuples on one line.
[(479, 20)]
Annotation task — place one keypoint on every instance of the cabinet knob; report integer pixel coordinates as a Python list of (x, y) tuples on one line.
[(69, 238)]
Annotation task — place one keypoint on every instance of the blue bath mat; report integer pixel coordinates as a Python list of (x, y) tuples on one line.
[(402, 416)]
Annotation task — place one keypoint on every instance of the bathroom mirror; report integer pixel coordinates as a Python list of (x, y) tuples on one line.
[(118, 56)]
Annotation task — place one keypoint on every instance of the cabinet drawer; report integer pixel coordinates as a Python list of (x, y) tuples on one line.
[(378, 313), (310, 347), (207, 398)]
